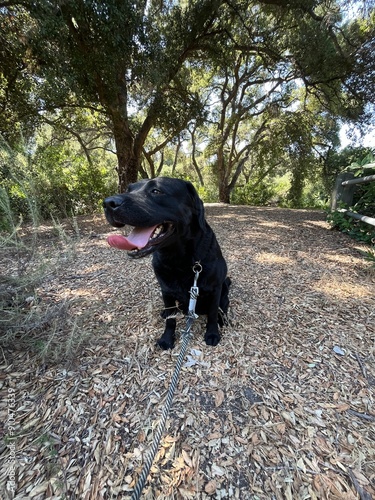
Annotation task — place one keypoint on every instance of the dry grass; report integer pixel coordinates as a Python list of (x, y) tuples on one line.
[(30, 259), (283, 408)]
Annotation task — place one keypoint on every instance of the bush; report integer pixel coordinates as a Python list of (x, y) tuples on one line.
[(364, 204), (208, 193), (56, 179), (356, 229), (314, 196), (67, 183), (48, 328), (256, 194)]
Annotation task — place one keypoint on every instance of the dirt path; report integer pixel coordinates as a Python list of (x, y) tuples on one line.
[(283, 408)]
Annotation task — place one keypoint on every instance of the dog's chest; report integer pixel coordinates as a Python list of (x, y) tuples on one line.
[(178, 287), (175, 285)]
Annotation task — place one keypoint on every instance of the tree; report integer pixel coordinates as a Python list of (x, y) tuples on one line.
[(133, 62), (247, 97), (287, 49), (116, 57), (348, 158), (18, 110)]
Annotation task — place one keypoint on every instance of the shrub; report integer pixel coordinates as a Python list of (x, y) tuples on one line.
[(257, 194), (364, 204), (25, 321), (58, 180), (356, 229)]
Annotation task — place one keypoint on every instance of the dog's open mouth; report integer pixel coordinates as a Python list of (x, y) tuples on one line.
[(142, 240)]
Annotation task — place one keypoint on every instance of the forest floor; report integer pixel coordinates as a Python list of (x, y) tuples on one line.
[(282, 408)]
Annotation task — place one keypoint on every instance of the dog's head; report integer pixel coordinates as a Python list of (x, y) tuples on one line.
[(160, 210)]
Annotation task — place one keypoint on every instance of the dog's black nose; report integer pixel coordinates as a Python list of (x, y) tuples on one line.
[(113, 202)]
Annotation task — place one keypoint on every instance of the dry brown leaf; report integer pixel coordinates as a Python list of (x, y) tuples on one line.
[(362, 480), (343, 407), (187, 458), (219, 398), (210, 487)]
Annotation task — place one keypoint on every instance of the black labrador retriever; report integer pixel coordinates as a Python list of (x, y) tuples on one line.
[(168, 221)]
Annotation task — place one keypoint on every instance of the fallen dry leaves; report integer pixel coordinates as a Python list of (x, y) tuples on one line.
[(283, 408)]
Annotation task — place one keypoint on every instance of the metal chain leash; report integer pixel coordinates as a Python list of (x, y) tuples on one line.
[(186, 336)]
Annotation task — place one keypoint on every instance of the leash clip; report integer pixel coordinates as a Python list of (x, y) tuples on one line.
[(197, 269), (194, 290)]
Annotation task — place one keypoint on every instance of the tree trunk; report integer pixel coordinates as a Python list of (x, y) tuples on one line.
[(224, 193), (127, 171), (222, 179), (128, 160), (193, 159), (178, 147)]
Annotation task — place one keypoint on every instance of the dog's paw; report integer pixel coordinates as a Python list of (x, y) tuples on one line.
[(212, 339), (165, 344)]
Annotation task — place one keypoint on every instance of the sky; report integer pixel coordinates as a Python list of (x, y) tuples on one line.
[(367, 140)]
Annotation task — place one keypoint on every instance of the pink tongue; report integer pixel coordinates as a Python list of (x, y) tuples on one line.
[(138, 238)]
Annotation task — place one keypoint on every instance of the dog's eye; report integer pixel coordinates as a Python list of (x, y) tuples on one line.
[(156, 191)]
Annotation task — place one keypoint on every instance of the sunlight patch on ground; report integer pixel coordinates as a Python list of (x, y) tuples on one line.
[(273, 224), (339, 289), (318, 223), (272, 258), (79, 292), (343, 259)]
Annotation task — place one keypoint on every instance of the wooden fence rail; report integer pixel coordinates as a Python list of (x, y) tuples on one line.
[(360, 180), (343, 193)]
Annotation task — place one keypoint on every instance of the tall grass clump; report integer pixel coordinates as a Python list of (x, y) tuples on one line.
[(27, 260)]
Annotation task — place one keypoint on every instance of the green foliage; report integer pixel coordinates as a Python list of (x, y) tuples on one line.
[(364, 199), (208, 193), (275, 191), (364, 194), (370, 256), (364, 204), (314, 196), (17, 196), (257, 194), (47, 329), (18, 88), (51, 179), (356, 229), (68, 184), (153, 68), (349, 159), (338, 220)]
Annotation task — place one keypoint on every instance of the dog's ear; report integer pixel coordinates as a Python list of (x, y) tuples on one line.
[(197, 205)]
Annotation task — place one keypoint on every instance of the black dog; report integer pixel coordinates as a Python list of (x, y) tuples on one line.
[(168, 219)]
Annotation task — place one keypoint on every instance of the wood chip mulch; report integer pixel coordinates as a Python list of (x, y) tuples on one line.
[(282, 408)]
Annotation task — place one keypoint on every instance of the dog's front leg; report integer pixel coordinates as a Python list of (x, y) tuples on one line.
[(168, 338), (212, 335)]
